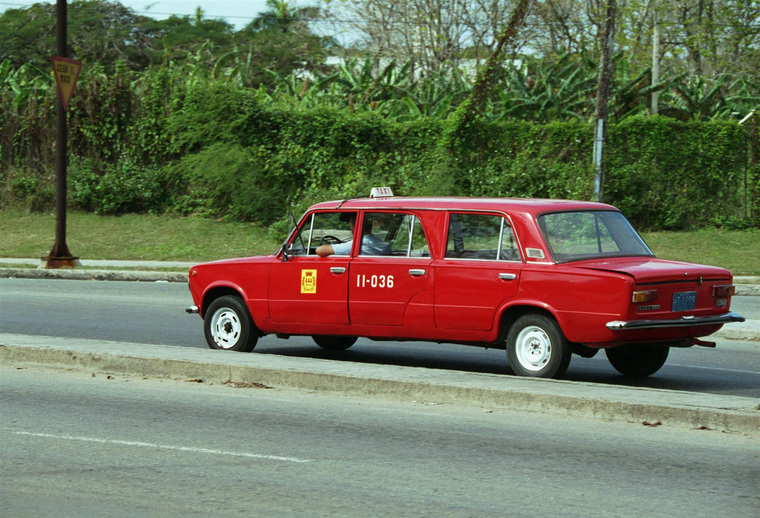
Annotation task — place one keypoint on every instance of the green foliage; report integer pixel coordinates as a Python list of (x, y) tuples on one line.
[(229, 181), (118, 188), (669, 175), (32, 190), (208, 113), (99, 31), (101, 113), (178, 139)]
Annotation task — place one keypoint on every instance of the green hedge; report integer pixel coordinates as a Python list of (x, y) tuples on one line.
[(667, 174), (218, 150)]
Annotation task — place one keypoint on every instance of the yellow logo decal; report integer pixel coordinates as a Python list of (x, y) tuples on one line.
[(308, 281)]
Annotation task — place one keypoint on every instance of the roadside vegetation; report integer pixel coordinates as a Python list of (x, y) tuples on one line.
[(192, 239), (189, 120)]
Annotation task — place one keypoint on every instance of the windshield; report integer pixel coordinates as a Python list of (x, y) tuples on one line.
[(572, 236)]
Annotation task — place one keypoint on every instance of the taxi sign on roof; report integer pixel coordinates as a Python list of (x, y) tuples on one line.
[(66, 73), (381, 192)]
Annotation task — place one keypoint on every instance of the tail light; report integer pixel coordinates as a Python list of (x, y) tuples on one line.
[(724, 290), (721, 292), (644, 296)]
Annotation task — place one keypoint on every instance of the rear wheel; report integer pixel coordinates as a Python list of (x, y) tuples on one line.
[(536, 347), (228, 325), (334, 343), (638, 360)]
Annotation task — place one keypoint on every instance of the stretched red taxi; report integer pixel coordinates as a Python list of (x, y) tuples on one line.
[(542, 279)]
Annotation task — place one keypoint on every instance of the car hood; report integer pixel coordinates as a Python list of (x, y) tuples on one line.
[(240, 260), (649, 269)]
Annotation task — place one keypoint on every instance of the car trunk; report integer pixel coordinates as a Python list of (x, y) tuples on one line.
[(671, 289)]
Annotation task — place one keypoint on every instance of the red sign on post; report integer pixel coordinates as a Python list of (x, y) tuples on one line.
[(66, 73)]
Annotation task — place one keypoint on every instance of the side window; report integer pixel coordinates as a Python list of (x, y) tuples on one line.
[(333, 228), (393, 234), (481, 236), (509, 250)]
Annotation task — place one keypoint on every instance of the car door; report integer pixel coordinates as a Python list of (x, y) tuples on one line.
[(306, 288), (389, 276), (480, 270)]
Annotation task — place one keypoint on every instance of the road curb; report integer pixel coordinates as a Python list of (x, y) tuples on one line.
[(94, 275), (630, 404)]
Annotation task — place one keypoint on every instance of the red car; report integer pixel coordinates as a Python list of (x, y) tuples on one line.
[(542, 279)]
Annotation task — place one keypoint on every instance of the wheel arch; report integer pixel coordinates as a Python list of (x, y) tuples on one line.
[(215, 292), (509, 314)]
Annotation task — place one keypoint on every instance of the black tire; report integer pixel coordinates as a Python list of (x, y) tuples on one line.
[(334, 343), (228, 325), (537, 348), (638, 360)]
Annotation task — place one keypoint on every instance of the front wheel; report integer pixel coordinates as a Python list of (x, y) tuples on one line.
[(334, 343), (228, 325), (536, 347), (639, 360)]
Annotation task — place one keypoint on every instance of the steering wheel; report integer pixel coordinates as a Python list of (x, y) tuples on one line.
[(330, 240)]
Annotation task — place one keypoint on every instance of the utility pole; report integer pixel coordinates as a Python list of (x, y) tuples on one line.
[(655, 64), (602, 95), (60, 257)]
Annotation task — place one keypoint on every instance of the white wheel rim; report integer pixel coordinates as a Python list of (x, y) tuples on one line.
[(533, 348), (225, 328)]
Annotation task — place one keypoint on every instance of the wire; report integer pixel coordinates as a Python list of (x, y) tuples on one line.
[(359, 21)]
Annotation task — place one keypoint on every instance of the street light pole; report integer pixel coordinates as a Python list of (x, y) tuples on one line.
[(60, 257)]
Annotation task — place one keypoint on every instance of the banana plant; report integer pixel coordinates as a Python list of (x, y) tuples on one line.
[(542, 92), (21, 84), (697, 99)]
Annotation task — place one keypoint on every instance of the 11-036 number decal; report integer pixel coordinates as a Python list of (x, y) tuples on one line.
[(374, 281)]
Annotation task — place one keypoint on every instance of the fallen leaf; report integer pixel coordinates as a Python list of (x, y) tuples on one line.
[(245, 384)]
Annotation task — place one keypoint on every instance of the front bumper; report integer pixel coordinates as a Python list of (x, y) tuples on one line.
[(621, 325)]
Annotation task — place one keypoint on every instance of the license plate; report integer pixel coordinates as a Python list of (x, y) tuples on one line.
[(684, 301)]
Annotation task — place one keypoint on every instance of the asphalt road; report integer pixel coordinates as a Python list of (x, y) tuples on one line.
[(75, 444), (153, 313)]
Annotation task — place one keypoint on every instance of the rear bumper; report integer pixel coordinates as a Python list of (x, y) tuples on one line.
[(621, 325)]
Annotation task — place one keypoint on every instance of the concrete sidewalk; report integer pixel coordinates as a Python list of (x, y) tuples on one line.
[(627, 404)]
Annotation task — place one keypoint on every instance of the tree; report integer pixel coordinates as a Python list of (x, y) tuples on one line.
[(434, 34), (279, 42), (487, 77), (99, 31), (182, 33)]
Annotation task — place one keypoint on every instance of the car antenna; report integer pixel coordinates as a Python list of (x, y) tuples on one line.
[(349, 199)]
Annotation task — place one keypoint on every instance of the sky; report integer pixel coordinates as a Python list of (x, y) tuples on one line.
[(237, 12)]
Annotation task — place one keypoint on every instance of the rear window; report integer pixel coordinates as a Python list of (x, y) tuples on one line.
[(572, 236)]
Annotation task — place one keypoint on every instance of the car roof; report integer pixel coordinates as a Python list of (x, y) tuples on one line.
[(524, 205)]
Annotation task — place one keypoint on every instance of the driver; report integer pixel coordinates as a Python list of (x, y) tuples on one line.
[(371, 244)]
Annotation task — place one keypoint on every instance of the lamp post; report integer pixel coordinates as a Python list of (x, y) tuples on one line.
[(60, 257)]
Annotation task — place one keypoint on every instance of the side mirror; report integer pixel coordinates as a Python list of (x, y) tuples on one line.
[(285, 254)]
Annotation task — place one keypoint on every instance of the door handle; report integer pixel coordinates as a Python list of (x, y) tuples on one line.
[(416, 272), (507, 276), (338, 270)]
